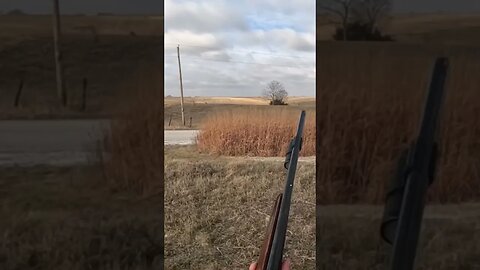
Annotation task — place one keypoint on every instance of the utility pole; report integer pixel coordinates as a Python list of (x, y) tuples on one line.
[(58, 54), (181, 84)]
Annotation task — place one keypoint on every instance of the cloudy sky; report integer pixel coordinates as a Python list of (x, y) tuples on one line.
[(234, 48)]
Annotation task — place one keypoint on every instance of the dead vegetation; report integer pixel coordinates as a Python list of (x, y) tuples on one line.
[(134, 142), (217, 208), (264, 131), (348, 237), (369, 101), (200, 108), (26, 53), (66, 218)]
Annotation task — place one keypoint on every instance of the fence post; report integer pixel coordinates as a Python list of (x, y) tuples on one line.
[(84, 94), (19, 93), (61, 91), (190, 121), (170, 120), (95, 34)]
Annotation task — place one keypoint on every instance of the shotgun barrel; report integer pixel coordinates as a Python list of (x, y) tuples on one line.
[(405, 200), (271, 252)]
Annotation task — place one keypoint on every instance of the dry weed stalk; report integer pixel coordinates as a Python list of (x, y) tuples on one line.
[(135, 141)]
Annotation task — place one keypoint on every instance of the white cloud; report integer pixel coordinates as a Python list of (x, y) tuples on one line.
[(202, 16), (234, 48), (193, 42)]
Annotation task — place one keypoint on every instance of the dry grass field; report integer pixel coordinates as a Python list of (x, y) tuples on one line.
[(84, 217), (133, 147), (369, 104), (15, 28), (201, 108), (68, 218), (120, 46), (259, 132), (348, 237), (296, 100), (208, 197), (217, 209)]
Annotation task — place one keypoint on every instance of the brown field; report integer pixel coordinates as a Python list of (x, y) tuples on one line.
[(67, 218), (296, 100), (17, 28), (108, 63), (256, 132), (423, 28), (200, 108), (369, 104), (348, 237), (84, 217), (200, 231), (217, 209)]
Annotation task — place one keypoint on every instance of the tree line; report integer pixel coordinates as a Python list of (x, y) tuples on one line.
[(356, 19)]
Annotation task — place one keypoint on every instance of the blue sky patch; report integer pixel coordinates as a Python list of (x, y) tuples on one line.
[(270, 21)]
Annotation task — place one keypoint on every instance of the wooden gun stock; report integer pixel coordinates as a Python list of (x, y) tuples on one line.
[(267, 243)]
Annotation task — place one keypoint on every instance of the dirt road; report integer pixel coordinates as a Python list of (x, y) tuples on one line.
[(180, 137)]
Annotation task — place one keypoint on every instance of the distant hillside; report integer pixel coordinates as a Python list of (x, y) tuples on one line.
[(124, 7), (170, 100), (110, 56), (423, 28)]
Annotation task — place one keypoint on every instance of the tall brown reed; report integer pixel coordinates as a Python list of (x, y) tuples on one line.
[(369, 102), (265, 131), (134, 142)]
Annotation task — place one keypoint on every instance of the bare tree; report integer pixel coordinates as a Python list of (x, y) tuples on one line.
[(276, 93), (372, 11), (344, 12), (338, 12)]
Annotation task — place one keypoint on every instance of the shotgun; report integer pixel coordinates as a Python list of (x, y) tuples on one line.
[(405, 200), (271, 252)]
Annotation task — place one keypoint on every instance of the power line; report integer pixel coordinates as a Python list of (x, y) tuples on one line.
[(296, 63), (247, 51), (239, 62)]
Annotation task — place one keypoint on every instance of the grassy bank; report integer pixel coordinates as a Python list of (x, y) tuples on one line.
[(217, 208), (348, 238), (65, 218)]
